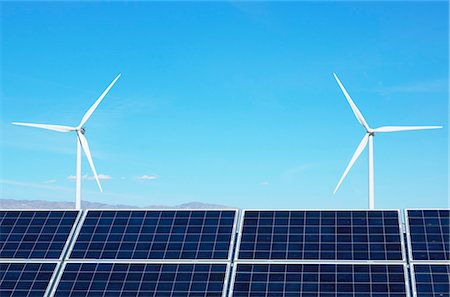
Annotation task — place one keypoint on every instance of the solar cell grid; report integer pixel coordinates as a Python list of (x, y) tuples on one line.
[(34, 234), (429, 232), (120, 279), (432, 280), (325, 280), (25, 279), (321, 235), (155, 235)]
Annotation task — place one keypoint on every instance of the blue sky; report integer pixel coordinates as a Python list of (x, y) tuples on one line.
[(227, 103)]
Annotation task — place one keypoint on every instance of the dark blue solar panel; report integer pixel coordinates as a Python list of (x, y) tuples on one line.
[(432, 280), (34, 234), (321, 235), (155, 235), (324, 280), (25, 279), (429, 234), (156, 280)]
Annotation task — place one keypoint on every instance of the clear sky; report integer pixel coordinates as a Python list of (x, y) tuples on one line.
[(226, 103)]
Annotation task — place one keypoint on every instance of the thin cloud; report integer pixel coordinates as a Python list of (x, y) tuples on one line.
[(90, 177), (264, 184), (148, 177), (101, 177), (32, 185), (50, 181), (431, 86)]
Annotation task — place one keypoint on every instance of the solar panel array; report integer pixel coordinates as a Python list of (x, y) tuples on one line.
[(32, 243), (213, 253), (428, 235), (132, 279), (320, 253), (155, 235), (325, 280), (321, 235), (25, 279), (150, 253), (431, 279), (429, 232), (34, 234)]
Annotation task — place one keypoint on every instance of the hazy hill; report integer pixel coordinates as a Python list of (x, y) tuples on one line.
[(42, 204)]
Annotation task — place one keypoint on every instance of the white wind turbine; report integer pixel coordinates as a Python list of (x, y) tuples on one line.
[(368, 137), (81, 141)]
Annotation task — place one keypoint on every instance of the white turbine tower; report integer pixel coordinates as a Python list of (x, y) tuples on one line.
[(368, 138), (81, 141)]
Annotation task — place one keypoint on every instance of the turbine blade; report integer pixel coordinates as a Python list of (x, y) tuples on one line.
[(404, 128), (58, 128), (94, 106), (85, 146), (355, 109), (355, 156)]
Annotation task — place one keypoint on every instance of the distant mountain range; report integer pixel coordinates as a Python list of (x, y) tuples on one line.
[(42, 204)]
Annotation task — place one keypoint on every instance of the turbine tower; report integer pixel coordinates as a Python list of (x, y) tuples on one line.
[(368, 138), (81, 141)]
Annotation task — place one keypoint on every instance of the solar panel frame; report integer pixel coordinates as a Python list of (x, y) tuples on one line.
[(67, 241), (409, 239), (35, 261), (174, 262), (413, 274), (399, 217), (235, 267)]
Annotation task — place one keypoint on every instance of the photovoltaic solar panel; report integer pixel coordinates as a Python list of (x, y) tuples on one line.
[(25, 279), (34, 234), (324, 280), (321, 235), (429, 232), (432, 280), (156, 280), (155, 235)]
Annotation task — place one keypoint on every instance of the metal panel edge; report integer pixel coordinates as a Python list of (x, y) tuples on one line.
[(70, 235), (413, 279), (52, 279), (232, 279), (74, 237), (226, 280), (241, 226), (408, 236), (233, 235), (402, 238)]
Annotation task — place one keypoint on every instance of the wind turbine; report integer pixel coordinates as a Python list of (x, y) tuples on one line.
[(81, 141), (368, 138)]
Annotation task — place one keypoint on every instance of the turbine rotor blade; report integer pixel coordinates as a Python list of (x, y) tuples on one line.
[(58, 128), (404, 128), (355, 156), (85, 146), (94, 106), (355, 109)]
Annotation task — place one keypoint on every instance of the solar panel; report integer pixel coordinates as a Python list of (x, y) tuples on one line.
[(25, 279), (429, 234), (321, 235), (34, 234), (324, 280), (122, 279), (155, 235), (431, 280)]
